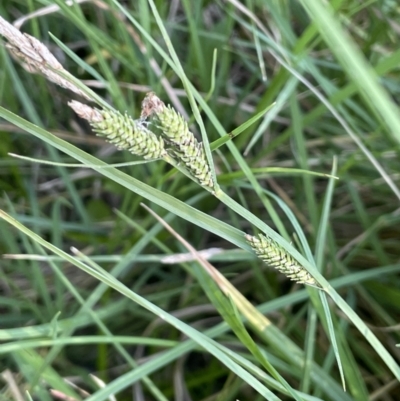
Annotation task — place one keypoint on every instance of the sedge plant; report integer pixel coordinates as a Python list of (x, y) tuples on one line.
[(162, 134)]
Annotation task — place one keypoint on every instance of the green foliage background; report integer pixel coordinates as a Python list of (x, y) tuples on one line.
[(151, 330)]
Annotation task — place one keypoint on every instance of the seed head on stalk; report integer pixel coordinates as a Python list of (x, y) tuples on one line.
[(122, 131), (176, 132), (277, 257)]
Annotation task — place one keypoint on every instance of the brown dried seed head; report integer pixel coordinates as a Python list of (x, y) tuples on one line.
[(35, 57), (151, 104)]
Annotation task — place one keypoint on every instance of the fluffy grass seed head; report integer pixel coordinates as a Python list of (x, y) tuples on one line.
[(175, 130), (277, 257), (122, 131)]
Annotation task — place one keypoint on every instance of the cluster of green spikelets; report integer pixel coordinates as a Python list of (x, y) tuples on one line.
[(174, 138), (277, 257)]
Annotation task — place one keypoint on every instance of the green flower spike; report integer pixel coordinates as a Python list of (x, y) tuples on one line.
[(122, 131), (277, 257), (175, 130)]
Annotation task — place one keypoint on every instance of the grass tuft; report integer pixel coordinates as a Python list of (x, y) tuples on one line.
[(277, 119)]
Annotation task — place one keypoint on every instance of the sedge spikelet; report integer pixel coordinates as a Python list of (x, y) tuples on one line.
[(122, 131), (275, 256), (175, 130)]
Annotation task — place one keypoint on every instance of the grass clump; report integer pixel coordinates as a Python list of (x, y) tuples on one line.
[(171, 300)]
